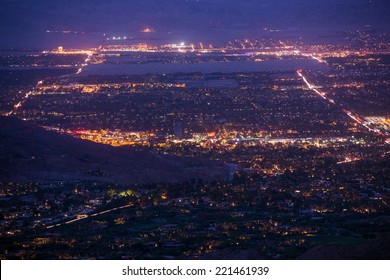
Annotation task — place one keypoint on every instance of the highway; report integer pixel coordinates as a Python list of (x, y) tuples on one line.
[(18, 105), (86, 216), (351, 115)]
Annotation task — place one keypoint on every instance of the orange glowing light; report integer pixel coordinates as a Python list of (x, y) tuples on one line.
[(147, 30)]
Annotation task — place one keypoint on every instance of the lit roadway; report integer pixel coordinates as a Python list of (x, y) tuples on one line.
[(18, 105), (88, 216), (351, 115), (314, 88)]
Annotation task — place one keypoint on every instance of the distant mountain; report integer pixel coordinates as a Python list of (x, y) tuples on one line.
[(31, 153), (22, 21)]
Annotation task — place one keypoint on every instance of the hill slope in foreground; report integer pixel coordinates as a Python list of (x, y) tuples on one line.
[(29, 153), (376, 249)]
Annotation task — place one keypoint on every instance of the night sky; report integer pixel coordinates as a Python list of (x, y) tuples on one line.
[(39, 23)]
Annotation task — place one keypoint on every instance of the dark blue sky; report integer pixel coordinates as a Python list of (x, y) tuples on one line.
[(24, 22)]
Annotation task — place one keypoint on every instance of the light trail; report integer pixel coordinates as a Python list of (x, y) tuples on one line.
[(309, 55), (86, 61), (349, 160), (351, 115), (88, 216), (313, 88), (18, 105), (312, 56), (21, 102)]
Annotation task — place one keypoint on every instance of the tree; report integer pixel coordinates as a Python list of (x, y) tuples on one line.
[(111, 192)]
